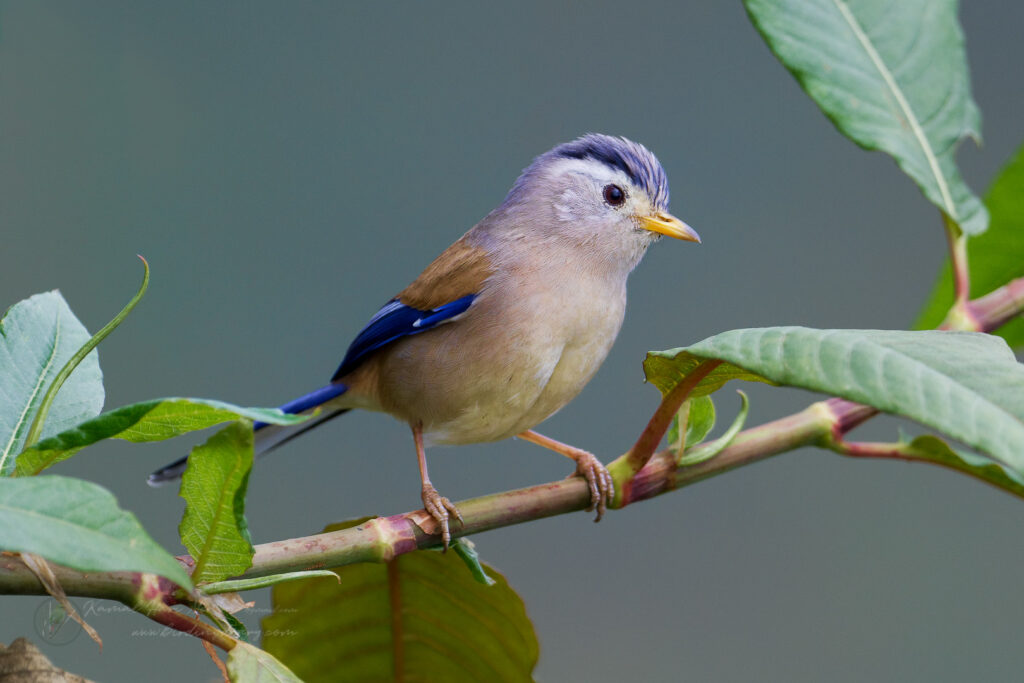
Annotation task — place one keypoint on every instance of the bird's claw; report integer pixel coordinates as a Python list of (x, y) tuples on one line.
[(602, 488), (441, 509)]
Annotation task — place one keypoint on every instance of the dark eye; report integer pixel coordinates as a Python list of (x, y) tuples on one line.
[(614, 195)]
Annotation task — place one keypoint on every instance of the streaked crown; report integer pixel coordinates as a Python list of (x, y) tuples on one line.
[(636, 161)]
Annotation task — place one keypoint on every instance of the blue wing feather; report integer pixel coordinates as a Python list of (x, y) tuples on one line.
[(393, 321)]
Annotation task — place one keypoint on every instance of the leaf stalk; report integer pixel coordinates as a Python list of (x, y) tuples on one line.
[(627, 466)]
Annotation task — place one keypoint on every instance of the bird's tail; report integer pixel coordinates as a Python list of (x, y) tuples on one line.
[(267, 437)]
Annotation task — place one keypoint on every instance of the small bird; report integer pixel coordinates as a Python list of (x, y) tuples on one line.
[(510, 322)]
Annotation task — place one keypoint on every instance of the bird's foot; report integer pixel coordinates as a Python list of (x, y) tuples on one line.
[(602, 488), (441, 509)]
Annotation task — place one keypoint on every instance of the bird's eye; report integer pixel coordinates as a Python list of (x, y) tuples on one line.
[(614, 195)]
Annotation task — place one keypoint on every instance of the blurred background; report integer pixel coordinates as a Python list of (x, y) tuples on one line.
[(287, 167)]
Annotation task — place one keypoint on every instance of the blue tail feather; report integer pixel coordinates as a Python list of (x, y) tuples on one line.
[(309, 401), (270, 436)]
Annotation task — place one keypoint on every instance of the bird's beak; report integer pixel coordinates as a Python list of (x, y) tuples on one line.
[(667, 224)]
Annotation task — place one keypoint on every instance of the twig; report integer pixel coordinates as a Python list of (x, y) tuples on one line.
[(148, 594), (381, 539)]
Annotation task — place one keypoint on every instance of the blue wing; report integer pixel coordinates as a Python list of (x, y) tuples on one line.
[(393, 321)]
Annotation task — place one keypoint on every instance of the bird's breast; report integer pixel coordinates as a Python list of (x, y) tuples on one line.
[(524, 349)]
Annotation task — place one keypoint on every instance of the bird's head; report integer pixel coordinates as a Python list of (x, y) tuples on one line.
[(604, 193)]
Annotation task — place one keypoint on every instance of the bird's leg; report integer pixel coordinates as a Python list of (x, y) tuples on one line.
[(439, 507), (602, 489)]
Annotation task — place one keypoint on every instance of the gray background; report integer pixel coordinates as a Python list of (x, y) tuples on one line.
[(287, 167)]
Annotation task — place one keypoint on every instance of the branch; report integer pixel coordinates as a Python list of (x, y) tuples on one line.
[(148, 594), (381, 539), (998, 307)]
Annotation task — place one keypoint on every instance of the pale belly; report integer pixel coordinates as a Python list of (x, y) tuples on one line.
[(473, 381), (498, 416)]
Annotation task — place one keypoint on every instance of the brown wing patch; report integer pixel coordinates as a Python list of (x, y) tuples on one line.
[(460, 270)]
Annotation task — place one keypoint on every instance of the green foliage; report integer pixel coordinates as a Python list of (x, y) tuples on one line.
[(996, 257), (79, 525), (232, 586), (466, 551), (935, 450), (697, 415), (421, 616), (891, 76), (53, 381), (693, 421), (248, 664), (214, 528), (155, 420), (963, 384), (43, 411), (666, 369), (700, 453), (37, 337)]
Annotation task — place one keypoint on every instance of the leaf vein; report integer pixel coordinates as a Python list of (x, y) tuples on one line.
[(908, 113)]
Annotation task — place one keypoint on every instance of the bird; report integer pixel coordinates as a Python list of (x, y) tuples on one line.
[(511, 321)]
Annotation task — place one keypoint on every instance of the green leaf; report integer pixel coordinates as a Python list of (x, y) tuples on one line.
[(240, 628), (51, 392), (701, 421), (235, 585), (214, 528), (995, 257), (249, 664), (78, 524), (466, 550), (966, 385), (422, 612), (666, 369), (37, 337), (698, 417), (704, 452), (154, 420), (892, 76), (934, 449)]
